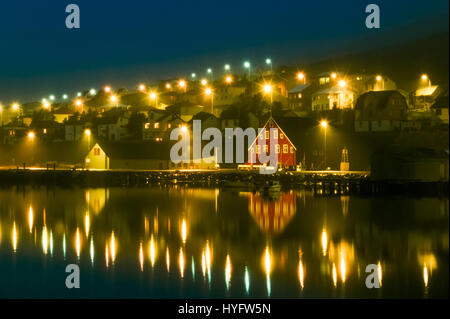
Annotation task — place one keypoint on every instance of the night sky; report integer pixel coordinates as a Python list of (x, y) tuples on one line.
[(123, 43)]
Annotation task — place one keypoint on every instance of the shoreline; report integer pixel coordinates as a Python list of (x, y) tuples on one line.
[(322, 183)]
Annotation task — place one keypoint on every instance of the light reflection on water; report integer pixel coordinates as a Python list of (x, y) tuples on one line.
[(292, 244)]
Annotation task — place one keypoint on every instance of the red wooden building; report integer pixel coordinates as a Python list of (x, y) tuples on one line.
[(283, 146)]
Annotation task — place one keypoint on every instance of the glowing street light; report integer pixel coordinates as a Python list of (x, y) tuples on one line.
[(269, 62), (228, 79), (78, 102), (114, 99), (52, 97), (204, 82), (425, 78), (107, 89), (342, 83), (168, 86), (324, 125), (301, 77), (379, 78), (193, 75), (153, 96), (65, 96), (92, 92), (227, 67), (182, 84), (247, 65), (141, 87), (46, 105), (210, 72), (333, 75), (209, 93), (15, 106), (79, 94), (268, 90), (31, 135)]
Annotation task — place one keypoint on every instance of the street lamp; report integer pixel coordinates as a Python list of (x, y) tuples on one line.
[(79, 104), (209, 93), (301, 77), (425, 78), (52, 97), (227, 67), (1, 114), (193, 75), (333, 75), (141, 87), (107, 89), (210, 72), (114, 99), (268, 90), (182, 85), (168, 86), (269, 62), (247, 65), (379, 78), (204, 82), (46, 105), (65, 96), (154, 97), (342, 83), (324, 125), (79, 94), (92, 92), (31, 136), (228, 79), (88, 133)]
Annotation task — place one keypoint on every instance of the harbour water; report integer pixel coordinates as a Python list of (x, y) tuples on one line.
[(182, 242)]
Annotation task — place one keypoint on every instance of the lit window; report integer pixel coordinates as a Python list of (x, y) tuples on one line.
[(267, 134), (277, 148), (299, 95), (281, 135), (266, 148), (156, 125), (285, 148), (147, 126), (257, 149), (275, 134), (96, 151), (169, 125), (44, 131), (292, 150)]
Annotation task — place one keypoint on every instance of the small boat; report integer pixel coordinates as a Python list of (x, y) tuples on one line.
[(271, 187)]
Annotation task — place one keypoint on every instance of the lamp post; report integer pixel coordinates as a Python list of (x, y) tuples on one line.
[(269, 62), (209, 92), (154, 97), (301, 77), (426, 78), (31, 136), (324, 125), (247, 65), (210, 72)]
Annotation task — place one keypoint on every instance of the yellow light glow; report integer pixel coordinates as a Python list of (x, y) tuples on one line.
[(44, 240), (107, 255), (14, 237), (267, 261), (152, 251), (30, 218), (425, 275), (301, 274), (334, 272), (182, 84), (228, 79), (152, 96), (87, 223), (333, 75), (342, 83), (113, 247), (343, 268), (324, 124), (78, 102), (15, 106), (183, 230), (46, 105), (324, 240), (167, 259), (208, 91), (184, 128), (379, 78), (168, 86), (31, 135), (267, 88), (141, 256), (141, 87), (87, 132), (181, 262), (300, 76), (203, 263), (107, 89), (113, 98), (228, 271), (204, 82), (424, 77), (78, 243), (380, 273)]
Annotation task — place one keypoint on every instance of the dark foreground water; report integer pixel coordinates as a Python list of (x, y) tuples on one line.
[(206, 243)]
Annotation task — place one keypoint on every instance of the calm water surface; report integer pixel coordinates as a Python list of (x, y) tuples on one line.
[(204, 243)]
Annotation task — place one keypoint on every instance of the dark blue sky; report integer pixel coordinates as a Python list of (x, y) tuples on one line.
[(126, 42)]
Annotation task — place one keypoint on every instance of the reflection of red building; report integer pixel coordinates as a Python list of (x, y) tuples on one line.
[(283, 146), (272, 216)]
